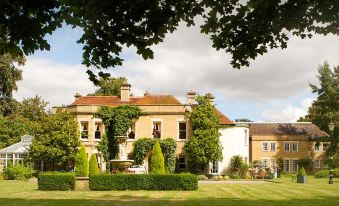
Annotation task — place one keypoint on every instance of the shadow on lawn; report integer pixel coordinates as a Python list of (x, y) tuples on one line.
[(321, 200)]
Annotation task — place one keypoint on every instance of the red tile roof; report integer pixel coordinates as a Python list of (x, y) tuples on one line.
[(223, 119), (115, 101)]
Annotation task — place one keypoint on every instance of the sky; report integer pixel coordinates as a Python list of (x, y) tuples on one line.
[(274, 88)]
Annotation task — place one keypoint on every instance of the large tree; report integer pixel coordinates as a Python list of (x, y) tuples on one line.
[(9, 75), (109, 86), (33, 108), (204, 147), (56, 141), (245, 29)]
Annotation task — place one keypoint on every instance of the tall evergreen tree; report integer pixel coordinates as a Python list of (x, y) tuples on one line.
[(81, 164), (157, 160), (93, 165)]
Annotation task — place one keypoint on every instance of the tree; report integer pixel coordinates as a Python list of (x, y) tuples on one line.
[(157, 160), (245, 29), (12, 128), (9, 75), (243, 120), (33, 109), (325, 108), (204, 147), (93, 165), (109, 86), (81, 165), (56, 140)]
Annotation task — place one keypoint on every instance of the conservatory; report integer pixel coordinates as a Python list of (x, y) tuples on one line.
[(15, 153)]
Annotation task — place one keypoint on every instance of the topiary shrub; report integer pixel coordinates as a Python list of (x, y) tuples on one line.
[(93, 165), (202, 177), (157, 161), (107, 182), (17, 172), (81, 165), (56, 181), (301, 172), (226, 177)]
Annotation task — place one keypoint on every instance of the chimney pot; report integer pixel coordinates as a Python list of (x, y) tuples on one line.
[(77, 95), (191, 97), (125, 90)]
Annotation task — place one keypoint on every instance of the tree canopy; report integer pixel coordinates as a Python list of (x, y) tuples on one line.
[(109, 86), (245, 29), (33, 108)]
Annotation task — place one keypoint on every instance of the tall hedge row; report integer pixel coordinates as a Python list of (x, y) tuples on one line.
[(56, 181), (143, 182)]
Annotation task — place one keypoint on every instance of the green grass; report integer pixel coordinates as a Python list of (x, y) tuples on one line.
[(280, 192)]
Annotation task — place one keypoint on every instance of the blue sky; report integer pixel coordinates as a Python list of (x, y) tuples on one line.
[(274, 87)]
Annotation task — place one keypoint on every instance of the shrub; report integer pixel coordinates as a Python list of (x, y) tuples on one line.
[(93, 165), (202, 177), (143, 182), (81, 165), (326, 173), (157, 161), (237, 169), (17, 172), (301, 172), (226, 177), (56, 181), (215, 178)]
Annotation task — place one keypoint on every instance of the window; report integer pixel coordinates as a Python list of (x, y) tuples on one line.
[(245, 131), (131, 132), (294, 146), (214, 167), (156, 133), (316, 163), (264, 163), (294, 166), (182, 162), (97, 132), (264, 146), (316, 147), (84, 130), (182, 130), (287, 146), (273, 163), (325, 147), (272, 146), (3, 156), (287, 165)]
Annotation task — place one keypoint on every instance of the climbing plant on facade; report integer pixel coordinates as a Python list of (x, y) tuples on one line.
[(117, 121), (143, 146)]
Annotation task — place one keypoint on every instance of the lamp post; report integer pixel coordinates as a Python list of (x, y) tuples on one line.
[(331, 128)]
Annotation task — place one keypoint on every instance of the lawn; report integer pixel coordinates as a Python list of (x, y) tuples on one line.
[(280, 192)]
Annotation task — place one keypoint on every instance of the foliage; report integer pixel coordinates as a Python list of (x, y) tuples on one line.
[(305, 163), (56, 141), (102, 146), (301, 172), (117, 121), (143, 182), (202, 177), (204, 146), (93, 165), (157, 160), (326, 173), (336, 159), (81, 164), (243, 120), (9, 75), (56, 181), (33, 108), (17, 172), (109, 86), (237, 168), (13, 128), (235, 26), (168, 146)]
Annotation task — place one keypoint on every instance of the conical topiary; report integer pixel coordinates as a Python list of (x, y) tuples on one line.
[(157, 161), (81, 165), (93, 165)]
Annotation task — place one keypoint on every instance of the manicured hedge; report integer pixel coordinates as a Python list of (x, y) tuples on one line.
[(143, 182), (326, 173), (56, 181)]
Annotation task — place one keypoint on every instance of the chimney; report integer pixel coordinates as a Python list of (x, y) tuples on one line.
[(191, 97), (147, 93), (125, 92), (77, 95), (211, 98)]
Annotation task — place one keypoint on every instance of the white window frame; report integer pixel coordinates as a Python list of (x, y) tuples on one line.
[(317, 163), (263, 147), (246, 136), (316, 148), (178, 129), (294, 165), (81, 130), (161, 127), (131, 129), (289, 146), (265, 162), (287, 165), (272, 143), (214, 167), (101, 129), (180, 163)]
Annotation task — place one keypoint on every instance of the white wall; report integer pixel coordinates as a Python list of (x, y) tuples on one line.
[(234, 141)]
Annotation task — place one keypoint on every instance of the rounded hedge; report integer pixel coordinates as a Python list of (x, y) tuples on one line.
[(326, 173), (56, 181)]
